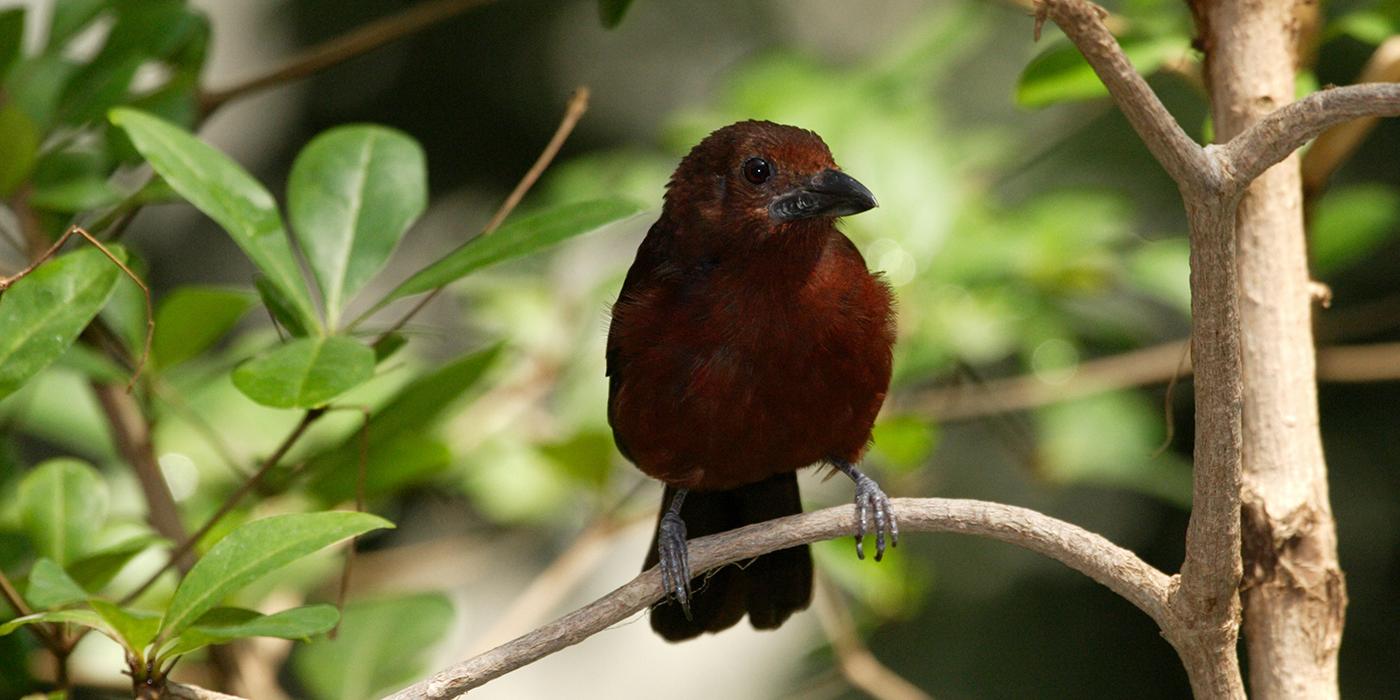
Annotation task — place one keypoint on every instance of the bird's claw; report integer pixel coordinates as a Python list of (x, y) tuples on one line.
[(674, 560), (873, 504)]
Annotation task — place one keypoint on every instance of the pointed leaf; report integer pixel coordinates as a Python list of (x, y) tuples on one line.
[(520, 237), (193, 318), (62, 504), (252, 550), (220, 188), (223, 625), (305, 373), (43, 313), (135, 627), (86, 618), (96, 570), (397, 633), (51, 587), (352, 195)]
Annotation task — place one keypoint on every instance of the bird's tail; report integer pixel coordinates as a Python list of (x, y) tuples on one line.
[(769, 588)]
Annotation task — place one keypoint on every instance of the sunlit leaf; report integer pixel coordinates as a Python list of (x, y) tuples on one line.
[(253, 550), (191, 319), (305, 373), (62, 506), (220, 188), (86, 618), (398, 633), (519, 237), (352, 195), (135, 628), (222, 625), (51, 587)]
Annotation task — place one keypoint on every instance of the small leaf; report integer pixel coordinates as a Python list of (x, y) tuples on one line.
[(1060, 73), (220, 188), (398, 633), (521, 237), (305, 373), (281, 309), (1351, 223), (191, 319), (11, 38), (62, 505), (18, 147), (222, 625), (50, 586), (352, 195), (94, 571), (86, 618), (75, 195), (135, 628), (611, 12), (252, 550)]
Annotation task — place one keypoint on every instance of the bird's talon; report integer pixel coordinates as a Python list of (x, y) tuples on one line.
[(674, 560), (869, 497)]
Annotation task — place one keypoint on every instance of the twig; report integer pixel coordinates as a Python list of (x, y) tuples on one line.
[(132, 436), (187, 543), (859, 666), (343, 48), (48, 635), (578, 104), (1115, 567)]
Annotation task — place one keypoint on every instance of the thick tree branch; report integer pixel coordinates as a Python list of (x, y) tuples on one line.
[(1285, 130), (1111, 565)]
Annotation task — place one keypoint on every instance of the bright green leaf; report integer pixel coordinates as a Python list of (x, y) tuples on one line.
[(252, 550), (397, 633), (19, 143), (222, 625), (62, 505), (520, 237), (86, 618), (611, 12), (51, 587), (191, 319), (904, 442), (136, 628), (1369, 26), (220, 188), (1352, 222), (305, 373), (352, 195), (1060, 73)]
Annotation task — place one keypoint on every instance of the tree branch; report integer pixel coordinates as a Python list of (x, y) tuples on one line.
[(343, 48), (1285, 130), (132, 436), (1111, 565)]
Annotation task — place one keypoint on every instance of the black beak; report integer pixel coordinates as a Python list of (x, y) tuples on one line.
[(829, 193)]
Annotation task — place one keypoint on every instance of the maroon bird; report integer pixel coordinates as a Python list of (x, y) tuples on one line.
[(749, 341)]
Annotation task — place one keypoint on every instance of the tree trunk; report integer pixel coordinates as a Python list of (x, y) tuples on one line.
[(1293, 591)]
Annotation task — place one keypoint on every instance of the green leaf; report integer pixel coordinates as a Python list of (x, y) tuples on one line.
[(305, 373), (75, 195), (520, 237), (611, 12), (86, 618), (191, 319), (905, 442), (35, 85), (18, 147), (1368, 26), (11, 38), (62, 505), (134, 628), (1110, 440), (1060, 73), (352, 195), (96, 570), (397, 633), (252, 550), (70, 17), (43, 313), (222, 625), (393, 459), (280, 308), (97, 87), (51, 587), (1351, 223), (220, 188)]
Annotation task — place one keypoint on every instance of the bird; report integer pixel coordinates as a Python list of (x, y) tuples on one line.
[(749, 341)]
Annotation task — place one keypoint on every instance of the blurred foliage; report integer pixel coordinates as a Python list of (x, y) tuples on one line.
[(1021, 234)]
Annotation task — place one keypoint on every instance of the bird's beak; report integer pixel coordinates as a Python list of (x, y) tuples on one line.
[(829, 193)]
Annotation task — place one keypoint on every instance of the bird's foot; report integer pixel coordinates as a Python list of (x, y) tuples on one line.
[(674, 560), (871, 505)]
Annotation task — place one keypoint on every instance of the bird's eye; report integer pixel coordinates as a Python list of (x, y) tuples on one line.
[(757, 170)]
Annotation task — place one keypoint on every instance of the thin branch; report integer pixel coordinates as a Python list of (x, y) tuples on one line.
[(1115, 567), (343, 48), (573, 111), (187, 543), (858, 665), (46, 634), (1181, 156), (1286, 129), (132, 436)]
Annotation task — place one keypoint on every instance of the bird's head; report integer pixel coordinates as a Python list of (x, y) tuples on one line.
[(760, 176)]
